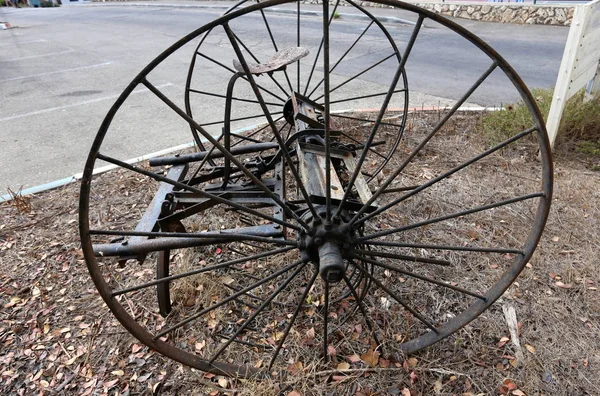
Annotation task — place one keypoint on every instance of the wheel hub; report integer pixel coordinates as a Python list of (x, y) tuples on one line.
[(327, 246)]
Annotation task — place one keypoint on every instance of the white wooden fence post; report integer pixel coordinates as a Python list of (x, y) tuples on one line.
[(580, 63)]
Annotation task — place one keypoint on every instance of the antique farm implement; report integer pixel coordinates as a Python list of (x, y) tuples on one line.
[(296, 228)]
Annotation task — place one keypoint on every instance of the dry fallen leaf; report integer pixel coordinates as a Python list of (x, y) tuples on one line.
[(354, 358), (530, 348), (371, 357), (343, 366), (223, 383), (412, 362), (518, 392)]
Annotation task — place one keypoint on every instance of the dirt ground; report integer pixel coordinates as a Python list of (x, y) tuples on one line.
[(58, 337)]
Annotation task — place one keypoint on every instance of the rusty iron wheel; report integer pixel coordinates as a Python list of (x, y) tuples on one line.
[(257, 264)]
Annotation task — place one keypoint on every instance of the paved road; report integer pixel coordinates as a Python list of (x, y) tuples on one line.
[(63, 68)]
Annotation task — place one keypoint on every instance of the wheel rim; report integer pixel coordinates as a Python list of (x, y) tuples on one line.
[(366, 262)]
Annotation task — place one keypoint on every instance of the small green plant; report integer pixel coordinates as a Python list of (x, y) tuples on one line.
[(336, 15), (579, 129)]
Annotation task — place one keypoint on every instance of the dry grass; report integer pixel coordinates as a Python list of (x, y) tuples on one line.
[(56, 333)]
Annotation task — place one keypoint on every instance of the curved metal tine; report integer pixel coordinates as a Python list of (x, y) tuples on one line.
[(226, 153), (226, 300), (278, 290), (292, 319), (233, 72), (327, 108), (325, 18), (398, 299), (381, 113), (287, 77), (362, 310), (450, 216), (421, 277), (258, 131), (359, 74), (445, 247), (341, 58), (447, 174), (326, 322), (202, 193), (412, 259), (201, 270), (258, 61), (239, 119), (416, 151), (232, 98), (364, 120), (280, 141)]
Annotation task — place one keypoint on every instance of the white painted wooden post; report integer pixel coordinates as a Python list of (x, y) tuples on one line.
[(593, 87), (580, 63), (559, 97)]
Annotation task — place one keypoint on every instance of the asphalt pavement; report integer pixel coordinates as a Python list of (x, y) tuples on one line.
[(62, 68)]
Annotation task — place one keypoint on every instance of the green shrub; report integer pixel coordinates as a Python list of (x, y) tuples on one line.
[(579, 129)]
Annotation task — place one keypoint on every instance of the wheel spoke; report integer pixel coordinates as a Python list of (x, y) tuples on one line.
[(326, 22), (341, 59), (232, 97), (450, 216), (414, 259), (421, 277), (358, 75), (293, 318), (226, 152), (202, 193), (398, 299), (326, 321), (233, 72), (365, 96), (418, 149), (258, 61), (200, 270), (364, 120), (207, 158), (257, 312), (226, 300), (239, 119), (358, 142), (287, 78), (298, 45), (382, 111), (284, 151), (445, 247), (258, 131), (447, 174), (325, 40), (359, 302)]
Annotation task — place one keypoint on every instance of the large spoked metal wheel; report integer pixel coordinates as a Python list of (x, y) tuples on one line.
[(310, 220)]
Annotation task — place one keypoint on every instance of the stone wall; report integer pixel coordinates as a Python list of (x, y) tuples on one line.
[(490, 12), (506, 13)]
